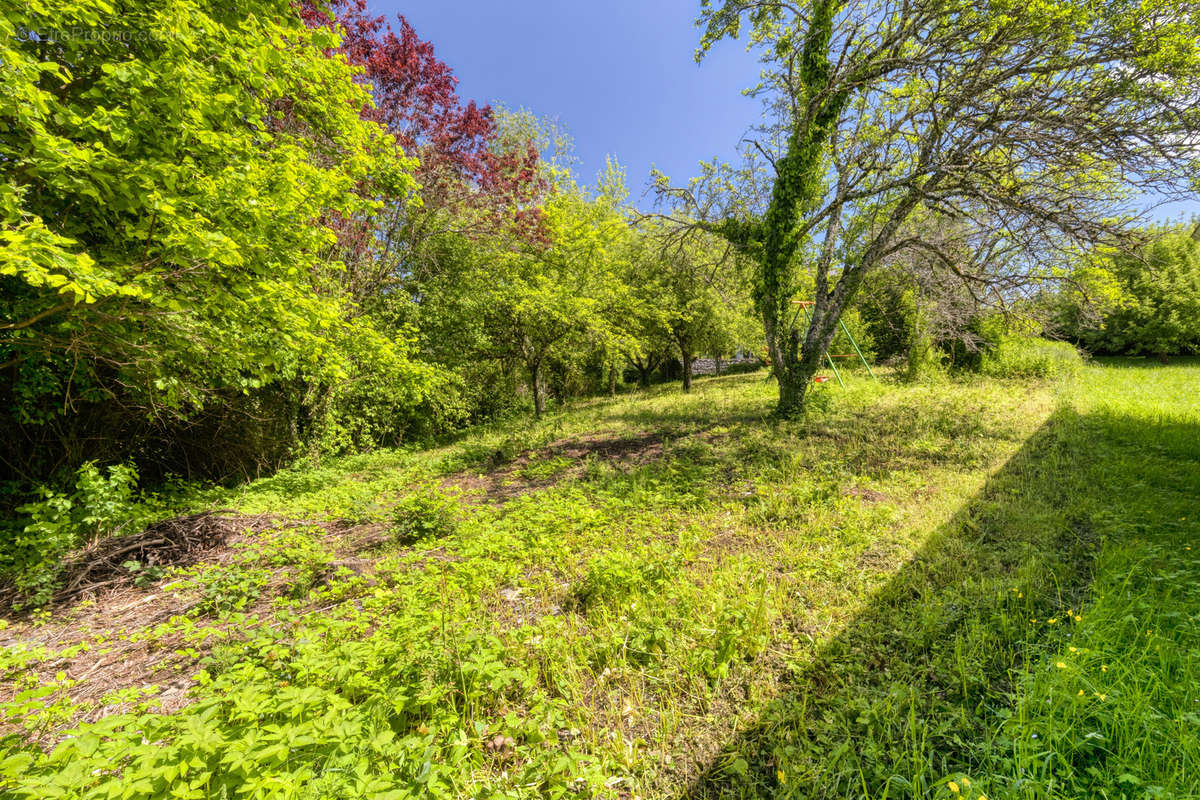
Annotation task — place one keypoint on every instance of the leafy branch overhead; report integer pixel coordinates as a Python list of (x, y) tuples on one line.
[(162, 199)]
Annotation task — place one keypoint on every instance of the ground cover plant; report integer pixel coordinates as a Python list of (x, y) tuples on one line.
[(357, 445), (980, 588)]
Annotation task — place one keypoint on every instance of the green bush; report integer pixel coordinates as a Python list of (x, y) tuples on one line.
[(1030, 357), (100, 505), (173, 246), (887, 315), (1145, 303), (389, 398), (425, 514)]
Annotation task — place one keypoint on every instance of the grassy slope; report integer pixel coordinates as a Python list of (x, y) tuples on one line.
[(670, 595)]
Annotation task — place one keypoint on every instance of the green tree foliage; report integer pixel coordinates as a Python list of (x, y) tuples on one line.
[(692, 299), (557, 301), (1141, 303), (168, 173), (1031, 121)]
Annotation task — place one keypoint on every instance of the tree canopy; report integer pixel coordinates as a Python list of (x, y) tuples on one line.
[(167, 199), (1031, 129)]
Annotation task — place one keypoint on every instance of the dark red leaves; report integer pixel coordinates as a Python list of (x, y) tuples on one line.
[(416, 98)]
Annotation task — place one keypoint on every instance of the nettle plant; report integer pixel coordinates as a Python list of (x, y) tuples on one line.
[(427, 513)]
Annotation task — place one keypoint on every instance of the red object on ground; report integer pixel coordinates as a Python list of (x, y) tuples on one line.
[(820, 378)]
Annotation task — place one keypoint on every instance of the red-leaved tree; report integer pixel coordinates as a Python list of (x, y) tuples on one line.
[(469, 183)]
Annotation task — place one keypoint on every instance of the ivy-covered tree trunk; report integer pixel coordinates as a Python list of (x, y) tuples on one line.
[(982, 117), (796, 364), (774, 241)]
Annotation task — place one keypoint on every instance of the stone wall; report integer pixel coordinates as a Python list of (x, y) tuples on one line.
[(708, 366)]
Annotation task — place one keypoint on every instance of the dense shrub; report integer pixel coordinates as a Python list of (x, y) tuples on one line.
[(927, 326), (425, 514), (388, 397), (887, 308), (167, 226), (1015, 356), (1144, 303)]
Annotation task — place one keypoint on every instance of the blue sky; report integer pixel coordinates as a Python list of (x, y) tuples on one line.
[(618, 75)]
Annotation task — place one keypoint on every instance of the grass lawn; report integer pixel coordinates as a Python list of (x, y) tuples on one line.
[(963, 589)]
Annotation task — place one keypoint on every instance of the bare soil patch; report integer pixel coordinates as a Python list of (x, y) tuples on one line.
[(106, 624), (865, 494), (521, 475)]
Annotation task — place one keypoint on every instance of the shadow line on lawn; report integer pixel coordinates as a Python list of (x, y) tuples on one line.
[(915, 688)]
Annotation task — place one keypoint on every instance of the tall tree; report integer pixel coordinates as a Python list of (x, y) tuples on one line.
[(471, 180), (162, 198), (1041, 124)]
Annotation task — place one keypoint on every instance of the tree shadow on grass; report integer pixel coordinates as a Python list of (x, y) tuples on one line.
[(916, 688), (1146, 362)]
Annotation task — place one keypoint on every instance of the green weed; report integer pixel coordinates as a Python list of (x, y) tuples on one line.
[(871, 602), (424, 514)]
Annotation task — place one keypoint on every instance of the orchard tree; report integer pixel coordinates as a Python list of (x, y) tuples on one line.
[(649, 343), (556, 300), (692, 296), (1042, 122)]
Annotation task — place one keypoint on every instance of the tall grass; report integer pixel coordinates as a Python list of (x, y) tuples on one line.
[(1030, 357), (668, 595), (1110, 708)]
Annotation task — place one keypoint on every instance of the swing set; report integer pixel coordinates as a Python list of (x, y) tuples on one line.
[(803, 306)]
